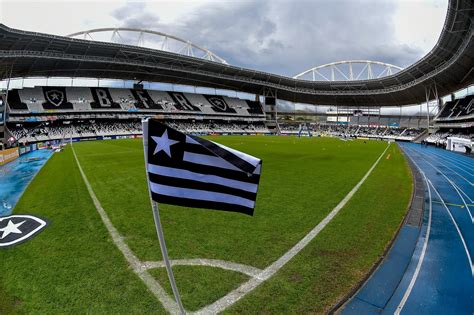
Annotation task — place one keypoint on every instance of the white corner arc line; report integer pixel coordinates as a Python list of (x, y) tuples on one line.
[(227, 265), (423, 251), (235, 295), (170, 305)]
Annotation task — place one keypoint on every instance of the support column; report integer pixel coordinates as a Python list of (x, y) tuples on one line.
[(4, 108), (271, 113), (431, 92)]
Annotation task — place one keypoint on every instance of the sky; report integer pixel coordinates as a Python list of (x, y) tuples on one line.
[(279, 36)]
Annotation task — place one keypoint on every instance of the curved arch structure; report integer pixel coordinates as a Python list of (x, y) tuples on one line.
[(183, 46), (448, 67), (347, 70)]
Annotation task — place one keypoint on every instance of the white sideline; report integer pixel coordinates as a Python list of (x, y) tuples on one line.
[(170, 305), (235, 295)]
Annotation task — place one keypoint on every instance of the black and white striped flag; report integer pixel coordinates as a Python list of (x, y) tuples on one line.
[(189, 171)]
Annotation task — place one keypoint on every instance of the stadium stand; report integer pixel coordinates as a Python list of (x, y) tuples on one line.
[(459, 109), (64, 99), (54, 113), (354, 131), (439, 138), (64, 130)]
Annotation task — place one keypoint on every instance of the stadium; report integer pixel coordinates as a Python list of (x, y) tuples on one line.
[(347, 188)]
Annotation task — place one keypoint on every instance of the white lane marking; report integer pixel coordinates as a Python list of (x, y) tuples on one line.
[(423, 250), (170, 305), (458, 230), (460, 160), (462, 191), (446, 160), (453, 182), (431, 158), (453, 185), (227, 265), (235, 295)]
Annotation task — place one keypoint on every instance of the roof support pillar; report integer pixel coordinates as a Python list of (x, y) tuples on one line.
[(431, 92)]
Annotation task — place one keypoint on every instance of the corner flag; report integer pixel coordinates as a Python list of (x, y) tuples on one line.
[(190, 171)]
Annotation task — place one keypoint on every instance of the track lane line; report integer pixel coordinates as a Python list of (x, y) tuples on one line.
[(469, 172), (453, 185), (431, 158), (458, 230), (451, 157)]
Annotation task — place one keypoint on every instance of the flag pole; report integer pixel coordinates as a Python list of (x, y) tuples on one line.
[(159, 228)]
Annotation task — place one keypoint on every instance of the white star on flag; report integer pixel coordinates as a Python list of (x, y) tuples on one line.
[(11, 228), (163, 143)]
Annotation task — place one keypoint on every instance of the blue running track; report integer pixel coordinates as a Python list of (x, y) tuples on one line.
[(439, 278), (16, 175)]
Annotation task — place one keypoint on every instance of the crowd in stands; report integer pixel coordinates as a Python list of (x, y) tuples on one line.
[(94, 128), (218, 127), (457, 109), (349, 130), (56, 130), (440, 137)]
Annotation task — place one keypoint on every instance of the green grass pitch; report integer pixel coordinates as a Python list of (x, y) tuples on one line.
[(74, 267)]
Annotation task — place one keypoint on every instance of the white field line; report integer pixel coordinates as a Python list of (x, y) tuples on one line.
[(227, 265), (431, 158), (235, 295), (170, 305), (458, 191), (423, 251)]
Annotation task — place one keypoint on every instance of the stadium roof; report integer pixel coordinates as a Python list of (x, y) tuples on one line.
[(449, 65)]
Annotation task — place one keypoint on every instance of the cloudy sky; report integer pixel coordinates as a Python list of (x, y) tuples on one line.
[(279, 36)]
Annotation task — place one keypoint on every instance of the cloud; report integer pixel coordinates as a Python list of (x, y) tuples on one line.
[(285, 37)]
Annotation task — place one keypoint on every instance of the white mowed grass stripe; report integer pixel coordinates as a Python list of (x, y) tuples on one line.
[(235, 295), (227, 265), (137, 266)]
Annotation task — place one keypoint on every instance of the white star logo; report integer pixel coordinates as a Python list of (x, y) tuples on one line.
[(54, 96), (163, 143), (11, 228)]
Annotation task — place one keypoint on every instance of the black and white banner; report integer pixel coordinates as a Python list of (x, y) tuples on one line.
[(16, 229), (14, 101), (55, 98), (144, 100), (193, 172), (103, 99), (182, 103), (254, 107), (218, 104)]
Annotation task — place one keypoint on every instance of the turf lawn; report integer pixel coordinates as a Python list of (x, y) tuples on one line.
[(73, 266)]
